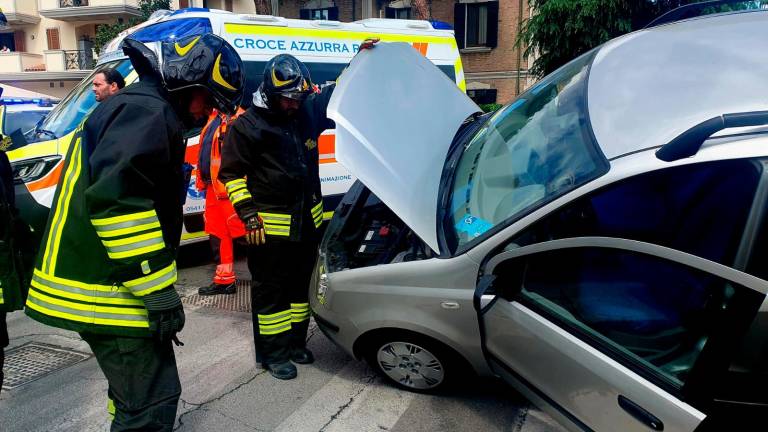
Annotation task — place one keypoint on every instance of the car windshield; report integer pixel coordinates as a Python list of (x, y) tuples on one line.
[(75, 107), (24, 120), (527, 154)]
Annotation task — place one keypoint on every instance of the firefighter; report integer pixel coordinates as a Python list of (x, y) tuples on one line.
[(221, 222), (107, 266), (270, 169), (17, 249)]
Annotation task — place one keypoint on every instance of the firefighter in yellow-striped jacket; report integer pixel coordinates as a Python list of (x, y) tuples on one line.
[(107, 263)]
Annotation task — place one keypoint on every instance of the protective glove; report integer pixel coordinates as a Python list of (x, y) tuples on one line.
[(165, 313), (369, 43), (254, 231)]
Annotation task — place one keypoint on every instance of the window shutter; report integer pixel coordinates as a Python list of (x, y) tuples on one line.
[(18, 41), (492, 39), (228, 5), (53, 38), (459, 18), (390, 13), (333, 13), (183, 4), (304, 14)]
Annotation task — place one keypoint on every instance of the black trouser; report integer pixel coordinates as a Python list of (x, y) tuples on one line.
[(3, 344), (281, 272), (143, 381)]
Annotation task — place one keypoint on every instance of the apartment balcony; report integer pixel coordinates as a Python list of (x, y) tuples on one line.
[(89, 10), (20, 12), (17, 62), (68, 60)]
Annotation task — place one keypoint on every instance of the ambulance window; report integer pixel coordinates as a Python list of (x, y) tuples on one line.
[(449, 71)]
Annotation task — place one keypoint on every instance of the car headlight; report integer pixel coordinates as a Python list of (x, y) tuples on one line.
[(322, 280), (29, 170)]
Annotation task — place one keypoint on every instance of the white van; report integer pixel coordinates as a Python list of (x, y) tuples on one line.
[(326, 47)]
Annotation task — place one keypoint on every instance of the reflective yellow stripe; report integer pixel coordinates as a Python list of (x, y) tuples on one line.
[(328, 215), (111, 407), (277, 231), (134, 246), (154, 282), (156, 246), (62, 206), (88, 320), (299, 312), (275, 328), (124, 218), (237, 189), (338, 34), (459, 71), (130, 230), (134, 239), (85, 296), (236, 182), (274, 315), (80, 285), (276, 319), (276, 217), (318, 209), (89, 307), (237, 197)]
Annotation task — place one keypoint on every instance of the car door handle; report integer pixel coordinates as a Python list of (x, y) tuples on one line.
[(640, 414)]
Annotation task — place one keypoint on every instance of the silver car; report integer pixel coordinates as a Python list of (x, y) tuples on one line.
[(600, 243)]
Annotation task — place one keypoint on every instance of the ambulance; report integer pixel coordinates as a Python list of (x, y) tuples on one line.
[(326, 47)]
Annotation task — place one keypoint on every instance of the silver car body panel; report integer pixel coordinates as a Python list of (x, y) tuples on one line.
[(589, 380), (431, 297), (394, 136), (642, 92)]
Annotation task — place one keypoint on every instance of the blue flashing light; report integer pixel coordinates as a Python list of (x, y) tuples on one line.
[(36, 100), (440, 25), (173, 29), (188, 10)]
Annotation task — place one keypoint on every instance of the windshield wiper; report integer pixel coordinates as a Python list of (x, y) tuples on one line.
[(46, 132)]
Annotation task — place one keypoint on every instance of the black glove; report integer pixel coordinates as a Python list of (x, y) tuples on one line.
[(165, 312)]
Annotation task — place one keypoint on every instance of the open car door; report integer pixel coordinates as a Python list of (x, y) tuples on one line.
[(611, 334)]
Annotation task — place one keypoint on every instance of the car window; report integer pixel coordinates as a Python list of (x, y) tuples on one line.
[(701, 209), (79, 103), (24, 120), (655, 312), (529, 153)]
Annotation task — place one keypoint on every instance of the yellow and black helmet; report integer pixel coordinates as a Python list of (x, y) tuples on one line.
[(286, 76), (206, 61)]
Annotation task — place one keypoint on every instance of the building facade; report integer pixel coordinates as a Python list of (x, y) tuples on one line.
[(486, 31), (50, 42)]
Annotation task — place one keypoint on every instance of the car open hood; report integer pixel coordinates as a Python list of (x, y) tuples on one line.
[(396, 115)]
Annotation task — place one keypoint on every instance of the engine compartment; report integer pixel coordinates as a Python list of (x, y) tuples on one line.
[(365, 232)]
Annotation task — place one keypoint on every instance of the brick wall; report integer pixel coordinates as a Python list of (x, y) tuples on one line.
[(503, 58)]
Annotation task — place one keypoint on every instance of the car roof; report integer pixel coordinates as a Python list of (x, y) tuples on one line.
[(647, 87)]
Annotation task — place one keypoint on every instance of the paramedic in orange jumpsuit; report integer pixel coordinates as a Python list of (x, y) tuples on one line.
[(221, 221)]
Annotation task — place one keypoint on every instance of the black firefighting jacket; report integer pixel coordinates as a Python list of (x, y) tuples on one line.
[(270, 167), (116, 218)]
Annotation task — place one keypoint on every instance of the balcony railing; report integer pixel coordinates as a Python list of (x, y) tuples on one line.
[(72, 3), (78, 60)]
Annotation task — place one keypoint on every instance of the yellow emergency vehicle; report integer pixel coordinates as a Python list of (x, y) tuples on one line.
[(326, 47)]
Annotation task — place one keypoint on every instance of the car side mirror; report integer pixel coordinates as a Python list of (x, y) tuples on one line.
[(17, 139)]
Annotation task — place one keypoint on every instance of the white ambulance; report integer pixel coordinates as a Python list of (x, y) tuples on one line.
[(326, 47)]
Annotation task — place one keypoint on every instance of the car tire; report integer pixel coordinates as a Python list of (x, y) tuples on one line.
[(413, 362)]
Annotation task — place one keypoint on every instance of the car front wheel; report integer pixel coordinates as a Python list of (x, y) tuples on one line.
[(412, 362)]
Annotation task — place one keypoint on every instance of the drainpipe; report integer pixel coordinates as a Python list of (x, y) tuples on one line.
[(519, 48)]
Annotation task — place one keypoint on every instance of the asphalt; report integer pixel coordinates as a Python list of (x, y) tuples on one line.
[(223, 389)]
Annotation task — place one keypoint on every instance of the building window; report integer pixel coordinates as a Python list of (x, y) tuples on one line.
[(399, 13), (328, 14), (52, 34), (482, 96), (477, 24), (183, 4)]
